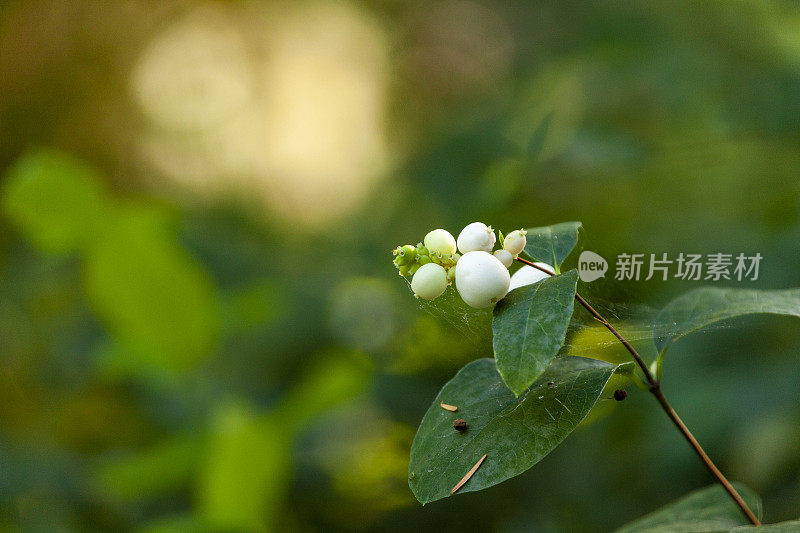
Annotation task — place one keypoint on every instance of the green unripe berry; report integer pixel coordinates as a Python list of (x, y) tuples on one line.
[(451, 274), (403, 269), (423, 259), (450, 260), (421, 250), (413, 269), (409, 252)]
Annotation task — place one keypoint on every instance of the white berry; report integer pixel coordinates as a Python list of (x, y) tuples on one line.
[(429, 281), (527, 275), (505, 257), (481, 279), (440, 241), (515, 241), (476, 237)]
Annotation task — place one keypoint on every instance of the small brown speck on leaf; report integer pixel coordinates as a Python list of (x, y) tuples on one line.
[(460, 424), (469, 475), (620, 394), (447, 407)]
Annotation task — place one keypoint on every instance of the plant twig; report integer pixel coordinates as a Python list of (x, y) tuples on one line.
[(655, 389)]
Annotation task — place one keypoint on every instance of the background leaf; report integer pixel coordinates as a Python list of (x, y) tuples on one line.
[(152, 472), (514, 432), (150, 293), (249, 460), (246, 470), (705, 306), (529, 328), (708, 509), (55, 199), (782, 527), (552, 244)]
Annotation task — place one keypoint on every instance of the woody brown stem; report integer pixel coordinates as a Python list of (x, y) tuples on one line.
[(655, 390)]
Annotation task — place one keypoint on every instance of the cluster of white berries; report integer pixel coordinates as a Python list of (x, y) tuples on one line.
[(481, 275)]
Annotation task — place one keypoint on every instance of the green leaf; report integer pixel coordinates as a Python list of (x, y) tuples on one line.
[(529, 328), (339, 376), (705, 306), (152, 296), (782, 527), (159, 470), (57, 201), (708, 509), (552, 244), (248, 469), (246, 472), (179, 523), (514, 432)]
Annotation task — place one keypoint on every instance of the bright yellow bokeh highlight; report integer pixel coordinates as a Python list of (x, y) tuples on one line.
[(283, 110)]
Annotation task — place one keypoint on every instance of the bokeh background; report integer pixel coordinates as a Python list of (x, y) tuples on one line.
[(200, 325)]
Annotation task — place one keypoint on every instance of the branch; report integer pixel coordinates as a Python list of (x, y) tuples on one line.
[(655, 389)]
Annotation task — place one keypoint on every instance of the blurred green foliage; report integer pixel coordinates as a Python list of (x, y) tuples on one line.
[(179, 354), (152, 296), (56, 200)]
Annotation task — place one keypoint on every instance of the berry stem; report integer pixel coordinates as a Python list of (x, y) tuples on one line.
[(655, 390)]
